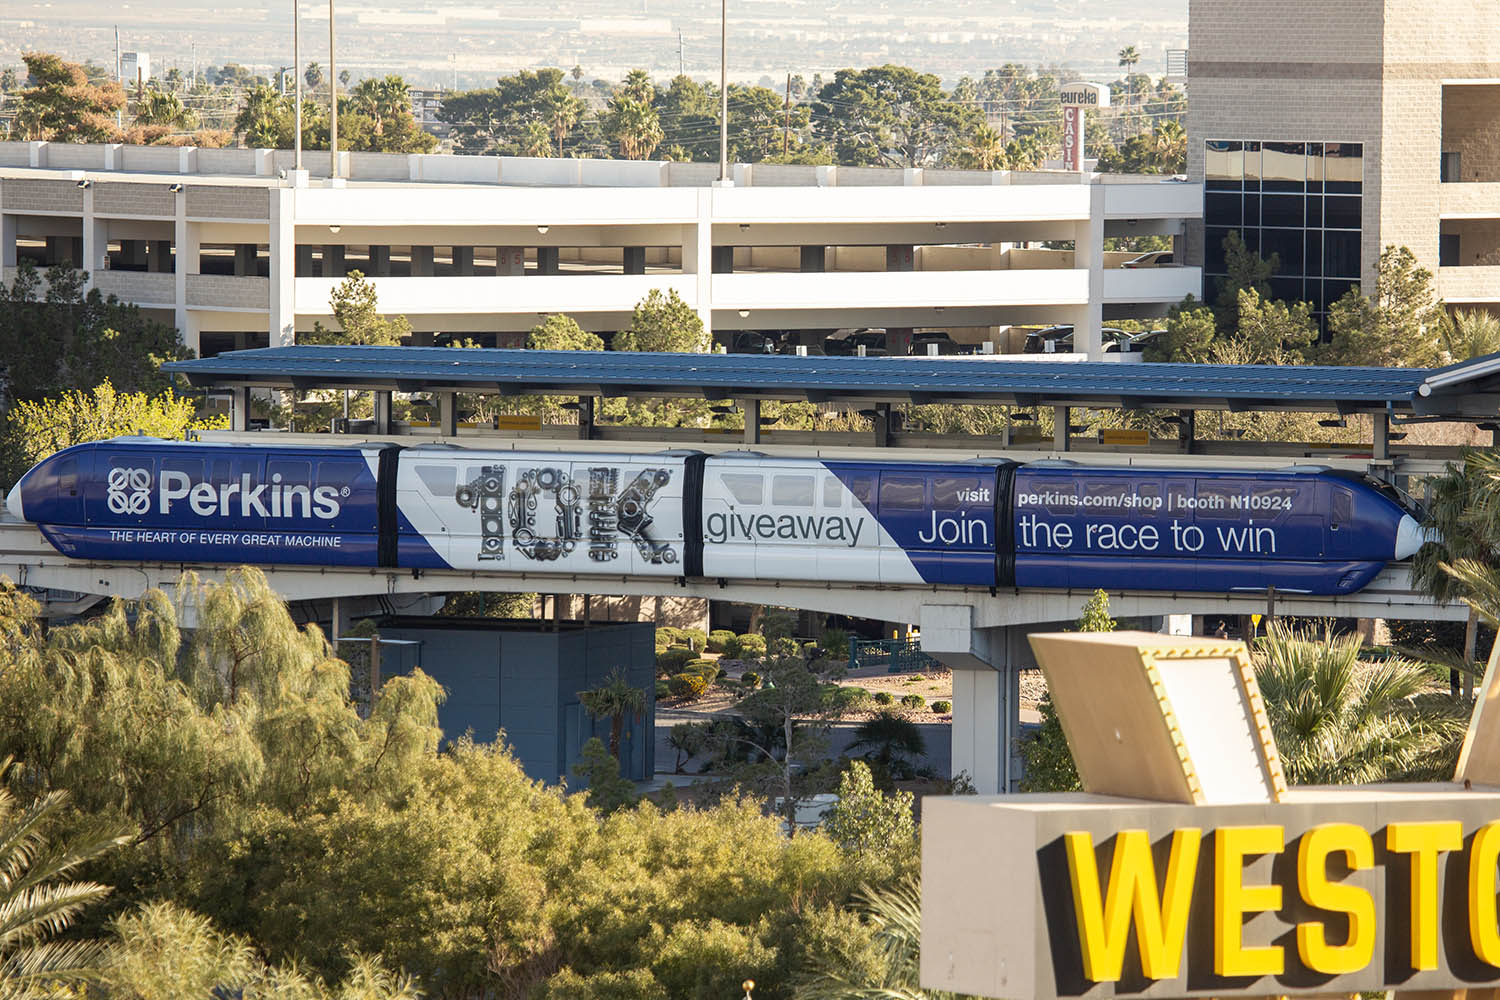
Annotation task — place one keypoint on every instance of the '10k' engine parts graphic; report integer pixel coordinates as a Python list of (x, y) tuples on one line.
[(551, 495)]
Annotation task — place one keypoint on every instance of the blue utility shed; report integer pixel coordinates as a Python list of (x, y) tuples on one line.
[(523, 678)]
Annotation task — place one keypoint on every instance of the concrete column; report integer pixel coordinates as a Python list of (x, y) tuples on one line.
[(185, 239), (189, 331), (986, 727), (380, 262), (697, 256), (287, 260), (510, 262), (814, 259), (751, 408), (333, 261), (239, 408), (95, 239), (901, 257), (159, 260), (463, 261), (421, 262), (723, 260), (382, 413), (585, 422), (1382, 432), (9, 233), (635, 260), (1176, 625), (244, 260), (306, 266), (546, 260), (59, 249), (447, 414), (1088, 253), (1062, 416), (341, 620)]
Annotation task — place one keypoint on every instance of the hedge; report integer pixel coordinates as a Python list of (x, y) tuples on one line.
[(689, 686)]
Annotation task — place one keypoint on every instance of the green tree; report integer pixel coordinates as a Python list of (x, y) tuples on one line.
[(600, 771), (889, 116), (34, 430), (1095, 616), (871, 823), (614, 700), (632, 126), (1470, 334), (164, 108), (663, 323), (313, 75), (56, 340), (1188, 335), (1245, 270), (1336, 723), (1129, 57), (382, 119), (36, 905), (983, 150), (1401, 324), (60, 104), (895, 745), (1274, 333), (560, 332), (356, 309), (518, 108), (1462, 559)]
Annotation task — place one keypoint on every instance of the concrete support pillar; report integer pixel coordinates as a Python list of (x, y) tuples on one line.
[(463, 261), (585, 421), (284, 260), (1176, 625), (510, 262), (380, 262), (751, 407), (185, 239), (421, 262), (1382, 433), (697, 257), (159, 261), (546, 260), (1189, 430), (634, 260), (239, 408), (1088, 253), (59, 249), (723, 260), (447, 414), (341, 620), (95, 239), (333, 260), (306, 267), (382, 413), (986, 727), (1062, 416), (901, 257), (814, 259), (244, 260), (9, 233)]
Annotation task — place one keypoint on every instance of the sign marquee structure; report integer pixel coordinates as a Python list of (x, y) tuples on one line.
[(1076, 97), (1188, 868)]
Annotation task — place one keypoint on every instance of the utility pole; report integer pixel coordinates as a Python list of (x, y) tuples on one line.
[(297, 84), (679, 54), (786, 125), (333, 101), (723, 91), (120, 111)]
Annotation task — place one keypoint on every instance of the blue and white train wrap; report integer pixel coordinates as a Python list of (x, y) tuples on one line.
[(739, 515)]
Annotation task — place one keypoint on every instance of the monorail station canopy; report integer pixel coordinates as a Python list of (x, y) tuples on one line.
[(1468, 392)]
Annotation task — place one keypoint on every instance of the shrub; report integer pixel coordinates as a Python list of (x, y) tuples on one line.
[(720, 674), (913, 701), (695, 638), (835, 643), (848, 699), (746, 647), (674, 660), (718, 639), (750, 679), (942, 707), (884, 698), (689, 686), (707, 669), (663, 689)]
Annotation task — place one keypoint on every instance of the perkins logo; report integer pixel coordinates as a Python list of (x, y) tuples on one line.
[(129, 492)]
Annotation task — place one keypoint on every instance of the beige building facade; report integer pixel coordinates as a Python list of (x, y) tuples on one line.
[(1326, 131)]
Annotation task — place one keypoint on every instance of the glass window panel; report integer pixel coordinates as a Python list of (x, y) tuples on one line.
[(1222, 209), (1343, 167), (1286, 244), (1282, 210), (902, 493), (946, 490), (1314, 212), (440, 480), (1341, 254), (1213, 250), (1314, 166), (1217, 501), (1283, 166), (1224, 164), (1335, 290), (745, 487), (1286, 289), (863, 488), (1252, 157), (1341, 213), (833, 492), (792, 491), (1252, 209), (1313, 254)]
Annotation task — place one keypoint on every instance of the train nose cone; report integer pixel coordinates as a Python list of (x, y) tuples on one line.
[(13, 503), (1411, 536)]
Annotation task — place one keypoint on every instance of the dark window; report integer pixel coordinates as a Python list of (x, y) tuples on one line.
[(946, 490), (1313, 257), (1286, 289), (1281, 210), (902, 493), (1213, 251), (1286, 244), (1252, 209), (1218, 502), (1343, 505), (1448, 250), (863, 488), (1314, 212), (1451, 170), (1341, 213), (792, 491), (1335, 290), (1224, 165), (1223, 209), (1340, 254)]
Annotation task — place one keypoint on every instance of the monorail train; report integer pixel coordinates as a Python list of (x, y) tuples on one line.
[(740, 515)]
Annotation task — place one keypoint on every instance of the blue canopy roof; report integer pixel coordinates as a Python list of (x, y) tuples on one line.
[(1466, 391)]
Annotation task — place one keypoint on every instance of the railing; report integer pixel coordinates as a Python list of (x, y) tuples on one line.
[(898, 656)]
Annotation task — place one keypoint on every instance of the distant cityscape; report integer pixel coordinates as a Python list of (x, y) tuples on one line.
[(467, 45)]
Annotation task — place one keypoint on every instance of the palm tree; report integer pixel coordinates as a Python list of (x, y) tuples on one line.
[(616, 699), (1471, 333), (1463, 562), (1129, 56), (985, 149), (35, 905), (633, 125), (1338, 721), (1169, 147), (563, 112), (639, 86), (160, 107), (313, 75), (893, 743)]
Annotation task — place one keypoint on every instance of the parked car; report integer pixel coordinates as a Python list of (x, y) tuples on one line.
[(1059, 339), (1156, 258), (747, 342), (873, 341), (945, 343)]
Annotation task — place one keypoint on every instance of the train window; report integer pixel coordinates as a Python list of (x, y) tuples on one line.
[(1150, 501), (1343, 507), (1219, 501), (792, 491), (339, 475), (833, 492), (952, 492), (440, 480), (67, 477), (745, 487), (1060, 496), (863, 488), (1106, 496), (902, 493)]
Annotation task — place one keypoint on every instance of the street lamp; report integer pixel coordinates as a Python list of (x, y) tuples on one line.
[(333, 101), (297, 81), (723, 90)]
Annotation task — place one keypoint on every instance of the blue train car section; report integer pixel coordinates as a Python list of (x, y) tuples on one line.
[(740, 515)]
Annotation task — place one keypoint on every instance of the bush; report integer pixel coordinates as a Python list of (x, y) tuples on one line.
[(750, 679), (942, 707), (913, 701), (663, 689), (848, 699), (746, 647), (718, 639), (695, 638), (689, 686), (707, 669), (884, 698), (835, 643), (672, 661)]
